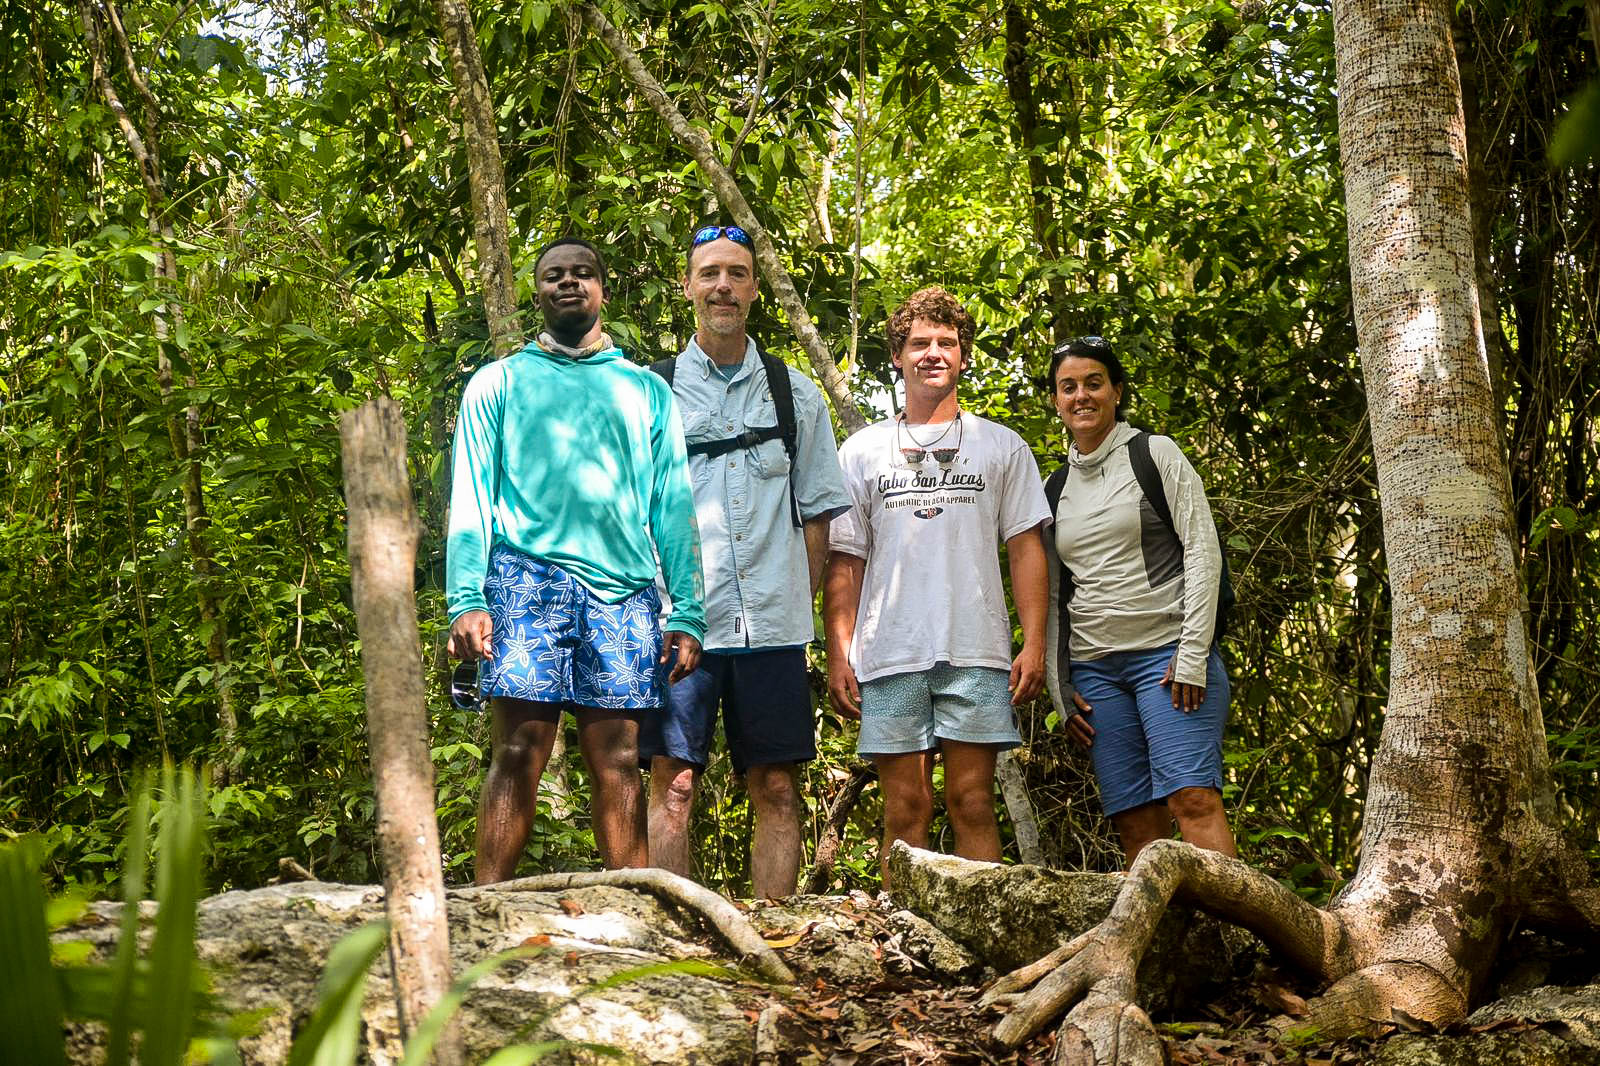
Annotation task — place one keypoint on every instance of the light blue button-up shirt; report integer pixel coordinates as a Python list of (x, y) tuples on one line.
[(757, 581)]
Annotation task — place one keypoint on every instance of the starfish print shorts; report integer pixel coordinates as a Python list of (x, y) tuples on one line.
[(557, 642)]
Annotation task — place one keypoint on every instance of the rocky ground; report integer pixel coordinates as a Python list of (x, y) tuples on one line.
[(613, 971)]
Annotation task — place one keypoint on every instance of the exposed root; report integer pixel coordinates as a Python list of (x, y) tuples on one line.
[(1102, 970), (1006, 987), (1408, 995), (1566, 901), (723, 916), (1108, 1028)]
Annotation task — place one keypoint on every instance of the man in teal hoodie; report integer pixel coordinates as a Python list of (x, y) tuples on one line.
[(570, 478)]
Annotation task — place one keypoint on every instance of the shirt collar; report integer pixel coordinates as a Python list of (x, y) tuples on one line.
[(705, 366)]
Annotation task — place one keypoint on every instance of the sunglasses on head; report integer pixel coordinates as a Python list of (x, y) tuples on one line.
[(464, 687), (1092, 346), (736, 234)]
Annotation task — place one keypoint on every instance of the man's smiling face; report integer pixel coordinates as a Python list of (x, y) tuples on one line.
[(721, 283)]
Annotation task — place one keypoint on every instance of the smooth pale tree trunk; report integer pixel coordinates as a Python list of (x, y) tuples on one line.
[(1458, 844), (384, 531), (699, 146), (143, 140)]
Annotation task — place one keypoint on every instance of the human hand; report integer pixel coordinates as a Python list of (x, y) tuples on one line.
[(471, 637), (1027, 675), (683, 651), (843, 688), (1078, 727), (1186, 698)]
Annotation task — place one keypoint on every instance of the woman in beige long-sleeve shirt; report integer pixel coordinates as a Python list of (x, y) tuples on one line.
[(1135, 672)]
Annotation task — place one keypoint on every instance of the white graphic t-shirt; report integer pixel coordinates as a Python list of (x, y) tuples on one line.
[(930, 534)]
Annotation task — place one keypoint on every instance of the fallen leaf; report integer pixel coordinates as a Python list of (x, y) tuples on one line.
[(571, 906), (538, 940), (571, 959)]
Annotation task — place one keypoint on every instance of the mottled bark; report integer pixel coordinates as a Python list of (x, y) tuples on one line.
[(485, 175), (384, 531), (700, 147), (166, 320)]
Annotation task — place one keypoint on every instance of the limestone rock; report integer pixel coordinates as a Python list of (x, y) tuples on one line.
[(266, 949), (922, 941), (1011, 915), (1549, 1026)]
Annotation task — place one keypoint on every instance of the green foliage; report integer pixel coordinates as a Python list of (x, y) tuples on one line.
[(1173, 184)]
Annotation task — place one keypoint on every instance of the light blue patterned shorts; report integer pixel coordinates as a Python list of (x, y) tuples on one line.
[(904, 713), (556, 642)]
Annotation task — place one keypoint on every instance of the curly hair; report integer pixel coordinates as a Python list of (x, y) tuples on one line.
[(932, 304)]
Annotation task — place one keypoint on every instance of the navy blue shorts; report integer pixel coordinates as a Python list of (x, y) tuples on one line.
[(1145, 749), (766, 711), (556, 642)]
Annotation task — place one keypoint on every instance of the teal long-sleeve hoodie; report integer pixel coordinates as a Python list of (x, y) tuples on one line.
[(580, 463)]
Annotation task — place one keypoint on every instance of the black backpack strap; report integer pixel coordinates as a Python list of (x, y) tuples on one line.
[(1150, 483), (1053, 486), (782, 399), (783, 403), (665, 368), (1149, 478)]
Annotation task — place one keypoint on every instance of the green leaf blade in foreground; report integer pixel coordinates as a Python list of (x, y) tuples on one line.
[(333, 1036), (30, 998), (120, 1026), (172, 956)]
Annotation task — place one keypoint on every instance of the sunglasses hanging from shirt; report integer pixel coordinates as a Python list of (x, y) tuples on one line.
[(917, 451)]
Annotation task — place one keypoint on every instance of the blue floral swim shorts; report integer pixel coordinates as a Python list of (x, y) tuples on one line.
[(557, 642)]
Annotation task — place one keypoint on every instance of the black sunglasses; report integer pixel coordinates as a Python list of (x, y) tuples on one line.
[(736, 234), (464, 687)]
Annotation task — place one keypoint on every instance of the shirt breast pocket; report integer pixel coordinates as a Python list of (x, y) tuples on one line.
[(697, 427), (769, 458)]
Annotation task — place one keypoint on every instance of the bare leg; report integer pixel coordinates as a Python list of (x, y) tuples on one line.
[(523, 734), (775, 855), (610, 743), (672, 785), (1138, 826), (969, 798), (907, 783), (1201, 819)]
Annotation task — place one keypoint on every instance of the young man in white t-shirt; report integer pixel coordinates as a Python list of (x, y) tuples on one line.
[(919, 640)]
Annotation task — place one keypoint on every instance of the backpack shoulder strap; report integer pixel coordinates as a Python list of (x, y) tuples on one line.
[(1054, 485), (665, 368), (1149, 478), (782, 398)]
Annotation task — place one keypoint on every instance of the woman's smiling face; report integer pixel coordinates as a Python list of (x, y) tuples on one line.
[(1086, 400)]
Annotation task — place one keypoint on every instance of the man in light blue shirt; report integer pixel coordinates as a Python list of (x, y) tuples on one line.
[(763, 505)]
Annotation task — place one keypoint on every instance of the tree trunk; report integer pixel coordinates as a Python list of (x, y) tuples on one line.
[(1014, 791), (1457, 837), (384, 531), (699, 146), (1019, 87), (485, 174), (167, 325)]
